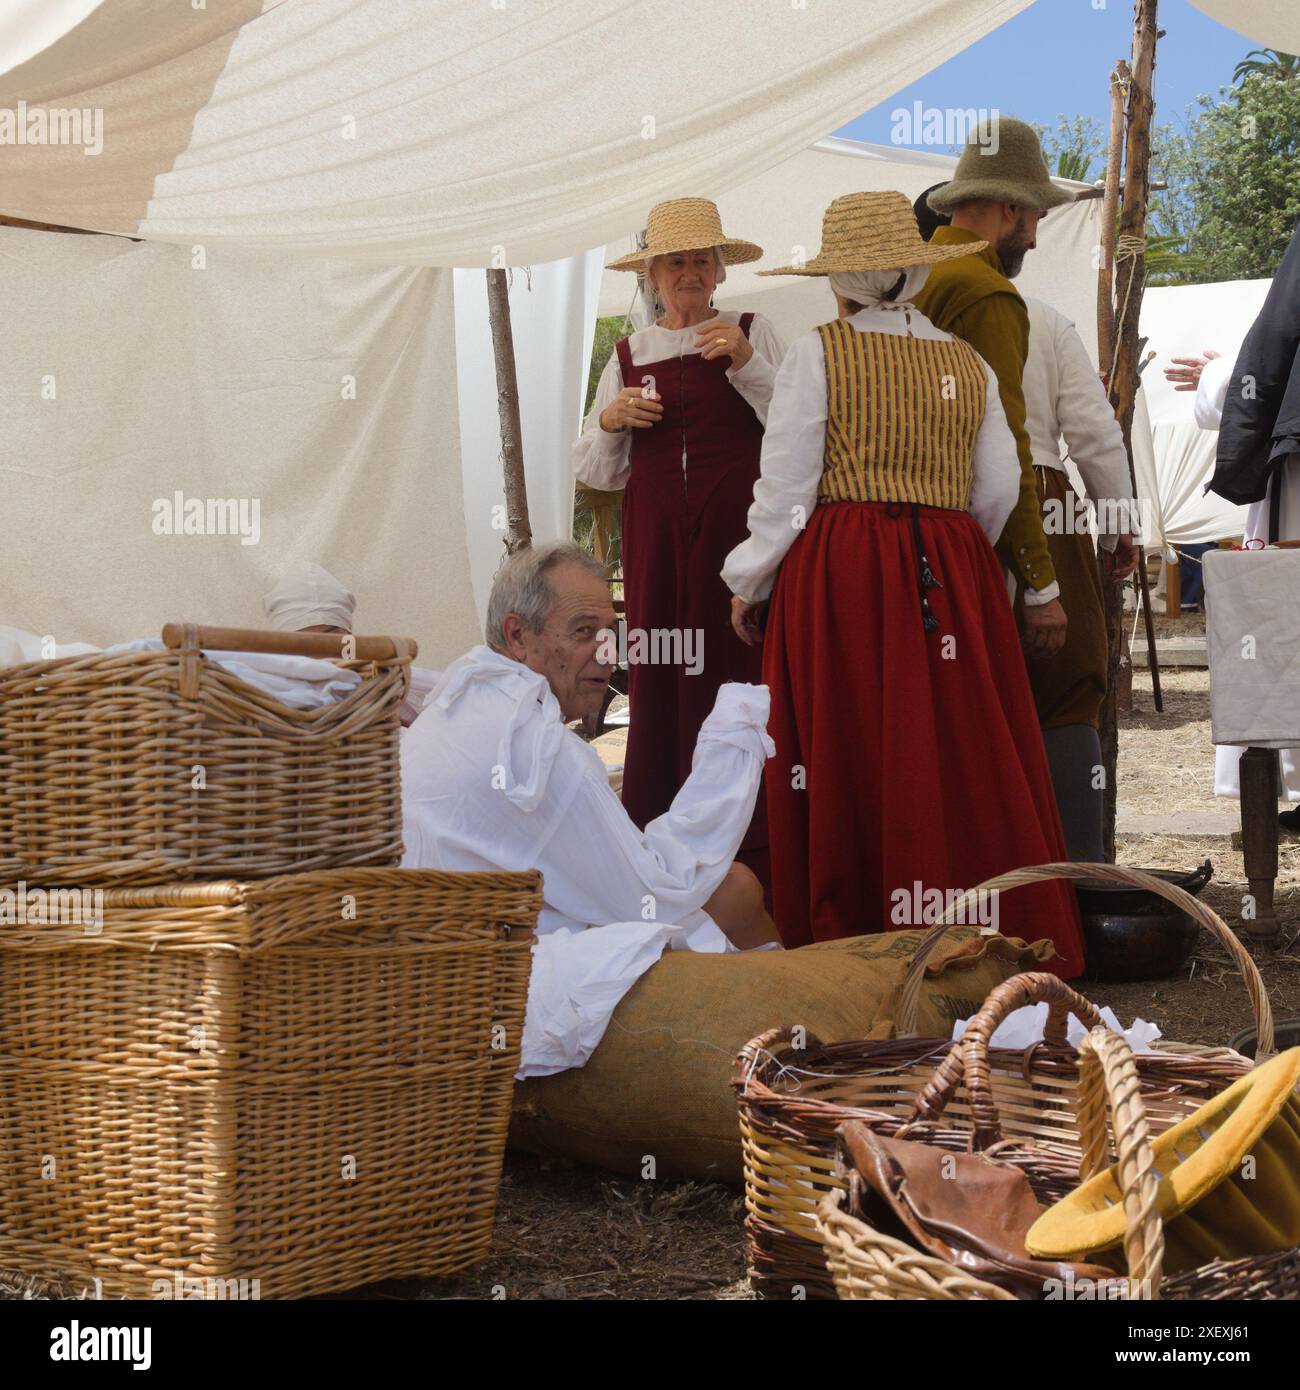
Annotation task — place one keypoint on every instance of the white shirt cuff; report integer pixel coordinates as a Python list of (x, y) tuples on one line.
[(1035, 597)]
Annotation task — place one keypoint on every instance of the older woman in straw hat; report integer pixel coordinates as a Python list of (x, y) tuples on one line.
[(887, 472), (678, 422)]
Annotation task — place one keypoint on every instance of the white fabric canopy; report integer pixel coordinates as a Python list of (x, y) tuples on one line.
[(438, 132), (1181, 321), (1270, 23), (781, 209), (315, 396)]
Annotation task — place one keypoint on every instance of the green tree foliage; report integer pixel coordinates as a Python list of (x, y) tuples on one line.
[(1233, 175), (1267, 62)]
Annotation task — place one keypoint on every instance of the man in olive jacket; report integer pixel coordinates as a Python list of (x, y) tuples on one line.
[(999, 193)]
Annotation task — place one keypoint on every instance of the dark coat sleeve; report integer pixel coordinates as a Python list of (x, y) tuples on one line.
[(1261, 412)]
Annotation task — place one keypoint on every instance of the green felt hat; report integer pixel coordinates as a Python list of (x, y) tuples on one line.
[(1003, 161)]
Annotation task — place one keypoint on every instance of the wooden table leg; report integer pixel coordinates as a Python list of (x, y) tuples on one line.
[(1259, 783)]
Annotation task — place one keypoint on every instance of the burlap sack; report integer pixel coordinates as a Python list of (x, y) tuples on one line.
[(658, 1088)]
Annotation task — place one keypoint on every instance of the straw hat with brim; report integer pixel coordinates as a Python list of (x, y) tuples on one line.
[(873, 231), (1012, 172), (686, 224)]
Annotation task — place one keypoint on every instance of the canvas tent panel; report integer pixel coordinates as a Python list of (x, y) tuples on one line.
[(316, 391), (1181, 321), (439, 133), (1270, 23)]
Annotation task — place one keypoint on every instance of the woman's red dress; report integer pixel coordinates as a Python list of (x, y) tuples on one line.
[(684, 510), (905, 760)]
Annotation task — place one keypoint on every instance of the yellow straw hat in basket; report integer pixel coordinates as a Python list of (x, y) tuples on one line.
[(686, 224), (1214, 1204), (873, 231)]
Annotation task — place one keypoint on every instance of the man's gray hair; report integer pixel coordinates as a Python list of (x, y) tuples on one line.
[(522, 587)]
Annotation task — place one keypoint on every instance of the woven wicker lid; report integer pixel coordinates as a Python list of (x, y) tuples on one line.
[(686, 224), (873, 231)]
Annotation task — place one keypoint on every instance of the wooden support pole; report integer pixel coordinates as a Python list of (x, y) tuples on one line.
[(1119, 80), (519, 534), (1130, 278)]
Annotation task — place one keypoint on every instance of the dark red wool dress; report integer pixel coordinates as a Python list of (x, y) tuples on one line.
[(922, 758), (684, 510)]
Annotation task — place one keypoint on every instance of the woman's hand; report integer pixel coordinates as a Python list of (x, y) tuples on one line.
[(745, 619), (633, 408), (717, 338)]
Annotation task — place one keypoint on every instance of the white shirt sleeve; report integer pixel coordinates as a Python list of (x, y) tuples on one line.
[(600, 459), (599, 868), (1093, 437), (1212, 391), (785, 494), (757, 378), (995, 481)]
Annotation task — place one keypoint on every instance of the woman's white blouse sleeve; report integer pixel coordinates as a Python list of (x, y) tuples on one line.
[(600, 459), (995, 482), (785, 494), (757, 378)]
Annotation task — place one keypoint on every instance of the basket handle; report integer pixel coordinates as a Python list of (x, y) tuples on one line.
[(1108, 1078), (184, 636), (969, 1060), (910, 994), (753, 1051)]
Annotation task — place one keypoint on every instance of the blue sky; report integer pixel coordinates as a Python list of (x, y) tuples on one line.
[(1055, 58)]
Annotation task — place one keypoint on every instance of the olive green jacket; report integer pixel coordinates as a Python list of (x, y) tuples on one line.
[(972, 299)]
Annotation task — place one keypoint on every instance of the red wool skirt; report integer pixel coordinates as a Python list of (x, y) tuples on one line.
[(906, 761)]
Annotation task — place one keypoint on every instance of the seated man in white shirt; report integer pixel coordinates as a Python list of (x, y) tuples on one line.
[(492, 779)]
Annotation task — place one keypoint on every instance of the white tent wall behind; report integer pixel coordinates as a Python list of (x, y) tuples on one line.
[(387, 132)]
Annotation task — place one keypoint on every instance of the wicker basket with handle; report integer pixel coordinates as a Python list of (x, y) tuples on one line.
[(866, 1264), (303, 1080), (794, 1091), (158, 766)]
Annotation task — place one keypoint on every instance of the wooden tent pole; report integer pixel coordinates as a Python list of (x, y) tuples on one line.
[(1130, 280), (519, 534), (1119, 80)]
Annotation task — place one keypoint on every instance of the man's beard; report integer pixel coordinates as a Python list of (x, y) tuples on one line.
[(1013, 262)]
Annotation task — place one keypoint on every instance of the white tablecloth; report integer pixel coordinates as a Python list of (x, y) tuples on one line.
[(1252, 621)]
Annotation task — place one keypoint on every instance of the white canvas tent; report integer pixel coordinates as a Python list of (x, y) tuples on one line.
[(1180, 321)]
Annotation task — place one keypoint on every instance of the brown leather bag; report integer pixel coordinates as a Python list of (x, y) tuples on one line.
[(959, 1207)]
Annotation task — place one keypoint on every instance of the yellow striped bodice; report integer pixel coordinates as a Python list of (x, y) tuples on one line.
[(902, 416)]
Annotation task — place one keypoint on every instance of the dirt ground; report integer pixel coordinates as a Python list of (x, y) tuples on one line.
[(568, 1232)]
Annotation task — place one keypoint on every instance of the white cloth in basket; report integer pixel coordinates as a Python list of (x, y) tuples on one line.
[(492, 779), (1023, 1027)]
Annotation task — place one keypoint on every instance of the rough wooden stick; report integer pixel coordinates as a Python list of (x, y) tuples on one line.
[(519, 534), (1130, 278)]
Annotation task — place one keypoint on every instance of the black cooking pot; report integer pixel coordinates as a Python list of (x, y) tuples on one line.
[(1134, 934), (1286, 1034)]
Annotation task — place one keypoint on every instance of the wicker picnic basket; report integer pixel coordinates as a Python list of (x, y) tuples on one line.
[(302, 1080), (866, 1264), (794, 1090), (157, 766)]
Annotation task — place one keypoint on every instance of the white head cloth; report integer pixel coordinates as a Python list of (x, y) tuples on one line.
[(308, 596), (868, 287)]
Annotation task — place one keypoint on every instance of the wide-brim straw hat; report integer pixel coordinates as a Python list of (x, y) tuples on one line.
[(873, 231), (686, 224), (1014, 172)]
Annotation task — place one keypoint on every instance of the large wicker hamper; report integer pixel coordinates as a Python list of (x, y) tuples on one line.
[(303, 1081), (160, 766)]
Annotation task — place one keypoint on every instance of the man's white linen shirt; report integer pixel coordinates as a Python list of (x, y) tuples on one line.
[(602, 459), (794, 448), (1064, 398), (493, 780)]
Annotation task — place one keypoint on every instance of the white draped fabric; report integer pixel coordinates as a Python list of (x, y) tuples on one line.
[(315, 396), (438, 132), (1181, 321), (1270, 23)]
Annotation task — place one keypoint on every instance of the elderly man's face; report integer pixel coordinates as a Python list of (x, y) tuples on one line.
[(568, 649)]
